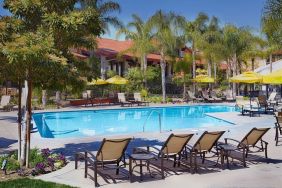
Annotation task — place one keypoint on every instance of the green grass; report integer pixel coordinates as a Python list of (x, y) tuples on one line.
[(30, 183)]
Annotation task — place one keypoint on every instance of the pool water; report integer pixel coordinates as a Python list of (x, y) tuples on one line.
[(128, 120)]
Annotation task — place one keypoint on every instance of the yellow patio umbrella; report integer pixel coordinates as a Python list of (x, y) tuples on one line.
[(117, 80), (203, 79), (273, 78), (247, 77), (98, 82)]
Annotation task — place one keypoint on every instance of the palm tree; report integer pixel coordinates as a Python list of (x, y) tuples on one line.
[(272, 26), (193, 31), (140, 33), (104, 8), (208, 44), (166, 27), (272, 21), (235, 42)]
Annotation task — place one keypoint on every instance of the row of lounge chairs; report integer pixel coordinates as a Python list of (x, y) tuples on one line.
[(136, 101), (212, 98), (176, 151)]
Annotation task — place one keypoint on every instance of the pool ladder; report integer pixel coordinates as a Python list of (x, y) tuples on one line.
[(160, 122)]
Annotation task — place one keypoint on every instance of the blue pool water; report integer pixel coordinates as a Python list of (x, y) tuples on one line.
[(122, 121)]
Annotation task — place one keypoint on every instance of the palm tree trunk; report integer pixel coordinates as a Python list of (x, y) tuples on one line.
[(24, 133), (28, 121), (194, 66), (253, 64), (234, 67), (270, 61), (215, 72), (19, 120), (145, 70), (163, 66), (184, 88)]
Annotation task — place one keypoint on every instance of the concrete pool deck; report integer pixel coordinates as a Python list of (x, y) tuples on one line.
[(255, 175)]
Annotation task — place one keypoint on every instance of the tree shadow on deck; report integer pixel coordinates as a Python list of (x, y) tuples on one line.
[(5, 143)]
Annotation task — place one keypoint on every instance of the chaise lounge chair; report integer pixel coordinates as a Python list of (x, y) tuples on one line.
[(139, 101), (213, 95), (111, 152), (278, 127), (207, 97), (193, 98), (264, 104), (172, 148), (204, 145), (242, 148), (229, 96), (271, 99), (122, 100), (5, 100)]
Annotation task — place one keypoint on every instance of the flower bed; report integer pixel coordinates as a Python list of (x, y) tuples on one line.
[(41, 162)]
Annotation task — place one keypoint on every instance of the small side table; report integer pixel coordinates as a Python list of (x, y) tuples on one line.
[(142, 160), (225, 150)]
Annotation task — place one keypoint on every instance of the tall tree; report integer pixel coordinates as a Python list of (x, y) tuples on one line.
[(272, 26), (209, 44), (166, 26), (50, 29), (105, 10), (193, 32), (140, 33), (235, 42)]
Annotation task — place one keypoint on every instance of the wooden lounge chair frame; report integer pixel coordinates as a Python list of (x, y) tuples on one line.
[(99, 159), (278, 127), (248, 142), (192, 96), (168, 149), (202, 149)]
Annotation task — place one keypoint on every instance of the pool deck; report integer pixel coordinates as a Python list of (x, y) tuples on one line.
[(255, 175)]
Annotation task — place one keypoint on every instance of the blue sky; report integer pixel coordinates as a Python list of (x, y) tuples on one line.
[(238, 12)]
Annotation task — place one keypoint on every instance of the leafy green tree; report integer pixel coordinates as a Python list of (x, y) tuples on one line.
[(272, 22), (136, 76), (209, 44), (105, 8), (182, 69), (140, 33), (167, 26), (49, 30), (272, 26), (235, 42), (193, 31)]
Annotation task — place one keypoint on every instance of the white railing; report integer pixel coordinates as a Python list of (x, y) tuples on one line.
[(150, 114)]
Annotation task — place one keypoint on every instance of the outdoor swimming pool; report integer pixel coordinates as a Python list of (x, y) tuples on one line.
[(123, 121)]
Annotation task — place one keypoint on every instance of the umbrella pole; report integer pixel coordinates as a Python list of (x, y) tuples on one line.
[(267, 90)]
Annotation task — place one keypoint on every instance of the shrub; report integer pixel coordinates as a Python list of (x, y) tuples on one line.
[(12, 163)]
